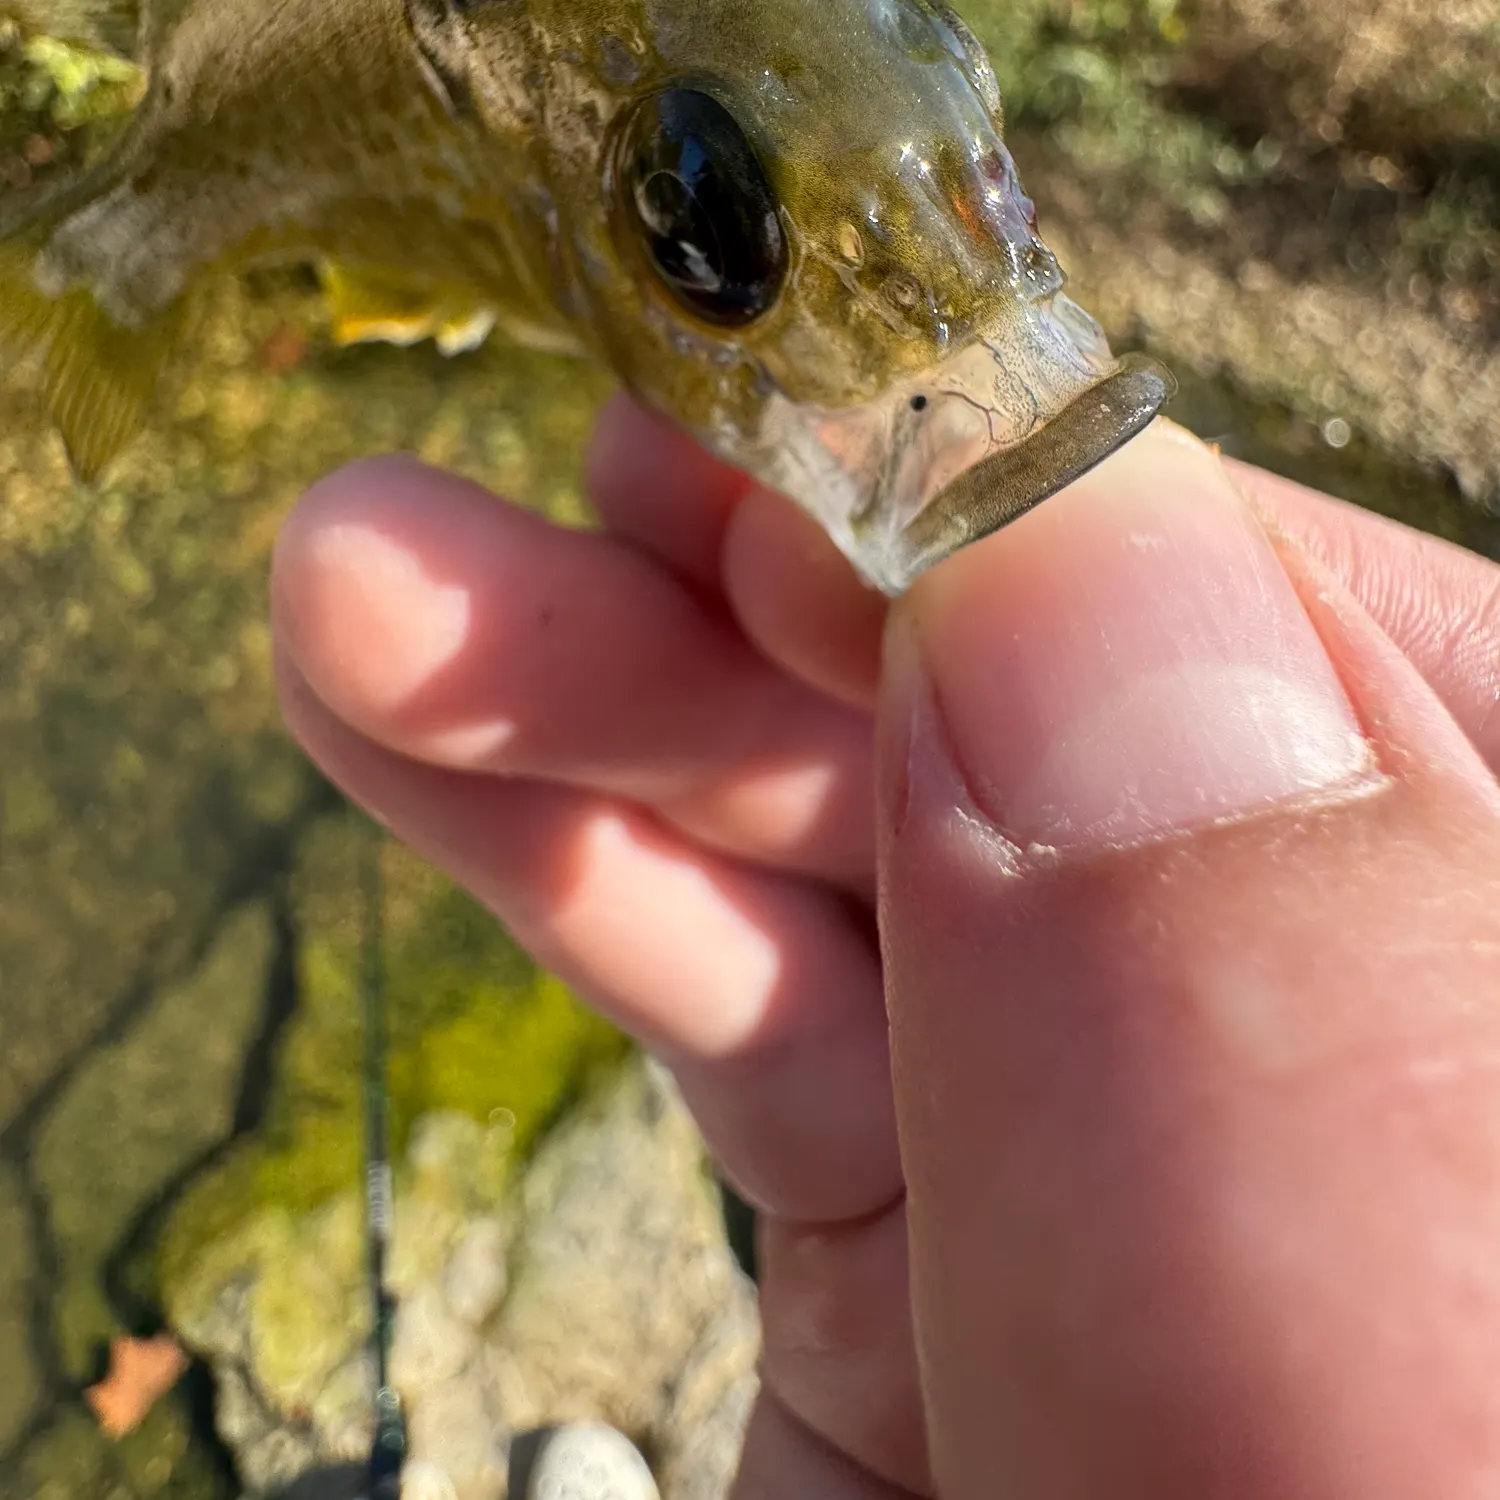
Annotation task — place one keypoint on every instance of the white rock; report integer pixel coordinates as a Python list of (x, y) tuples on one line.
[(421, 1481), (430, 1344), (474, 1278), (589, 1461), (451, 1426)]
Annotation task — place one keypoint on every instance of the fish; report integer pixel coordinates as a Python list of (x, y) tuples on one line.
[(794, 229)]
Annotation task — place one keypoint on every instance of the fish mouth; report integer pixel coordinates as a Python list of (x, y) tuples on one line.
[(942, 459)]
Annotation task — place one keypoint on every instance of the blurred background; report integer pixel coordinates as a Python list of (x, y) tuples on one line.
[(1297, 207)]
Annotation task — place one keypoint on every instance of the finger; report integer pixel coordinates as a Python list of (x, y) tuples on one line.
[(1439, 603), (799, 601), (468, 634), (653, 485), (760, 992), (1191, 912), (838, 1340), (784, 1459), (795, 595)]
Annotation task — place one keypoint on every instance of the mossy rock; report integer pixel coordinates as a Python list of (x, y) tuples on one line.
[(64, 89), (474, 1027)]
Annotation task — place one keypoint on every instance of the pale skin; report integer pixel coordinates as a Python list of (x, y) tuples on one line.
[(1171, 851)]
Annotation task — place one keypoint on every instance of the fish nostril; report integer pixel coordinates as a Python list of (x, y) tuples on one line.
[(903, 290), (919, 403)]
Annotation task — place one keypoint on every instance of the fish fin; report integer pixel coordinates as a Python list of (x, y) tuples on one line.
[(376, 305), (97, 377), (461, 333), (543, 338)]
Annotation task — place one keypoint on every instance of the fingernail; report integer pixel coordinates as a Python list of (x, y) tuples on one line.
[(1131, 660)]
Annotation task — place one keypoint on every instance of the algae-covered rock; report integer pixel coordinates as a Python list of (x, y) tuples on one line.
[(474, 1027), (65, 86), (588, 1284), (23, 1383), (139, 1113), (279, 1305), (262, 1262)]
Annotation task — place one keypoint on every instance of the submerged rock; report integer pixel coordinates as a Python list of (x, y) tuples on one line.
[(23, 1383), (589, 1288)]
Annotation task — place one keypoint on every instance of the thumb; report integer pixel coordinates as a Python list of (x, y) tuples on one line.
[(1192, 924)]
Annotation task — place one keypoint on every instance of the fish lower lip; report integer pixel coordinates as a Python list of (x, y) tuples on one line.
[(948, 455), (1008, 483)]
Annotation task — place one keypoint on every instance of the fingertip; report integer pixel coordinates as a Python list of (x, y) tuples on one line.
[(370, 494), (371, 581), (343, 755), (353, 492), (655, 485), (799, 600)]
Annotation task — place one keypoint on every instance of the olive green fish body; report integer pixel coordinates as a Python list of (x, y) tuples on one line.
[(290, 128), (794, 228)]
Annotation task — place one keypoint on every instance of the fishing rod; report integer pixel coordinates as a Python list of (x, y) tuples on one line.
[(388, 1446)]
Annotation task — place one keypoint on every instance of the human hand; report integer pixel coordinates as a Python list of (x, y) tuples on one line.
[(1186, 853)]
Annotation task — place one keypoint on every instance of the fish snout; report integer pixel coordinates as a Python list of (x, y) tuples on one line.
[(943, 458)]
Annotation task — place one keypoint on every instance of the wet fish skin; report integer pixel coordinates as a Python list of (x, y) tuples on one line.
[(470, 154)]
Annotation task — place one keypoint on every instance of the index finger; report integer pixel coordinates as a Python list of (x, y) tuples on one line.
[(1439, 603)]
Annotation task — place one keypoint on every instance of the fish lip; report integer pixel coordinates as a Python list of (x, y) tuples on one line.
[(943, 457), (1005, 485)]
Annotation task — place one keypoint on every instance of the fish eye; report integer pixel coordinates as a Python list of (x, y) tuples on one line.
[(704, 207)]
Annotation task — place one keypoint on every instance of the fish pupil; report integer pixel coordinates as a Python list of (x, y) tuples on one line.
[(704, 207), (682, 238)]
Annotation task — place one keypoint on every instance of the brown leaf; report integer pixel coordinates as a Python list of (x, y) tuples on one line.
[(141, 1372)]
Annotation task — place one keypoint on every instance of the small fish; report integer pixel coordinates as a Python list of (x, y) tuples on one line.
[(792, 227)]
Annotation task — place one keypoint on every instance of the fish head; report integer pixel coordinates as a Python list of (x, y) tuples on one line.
[(796, 229)]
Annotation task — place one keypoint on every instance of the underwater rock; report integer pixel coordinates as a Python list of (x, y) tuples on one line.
[(22, 1381), (590, 1284), (139, 1114)]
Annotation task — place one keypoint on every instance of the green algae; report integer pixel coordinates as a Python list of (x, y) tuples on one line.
[(76, 85), (474, 1027), (99, 25), (60, 100)]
